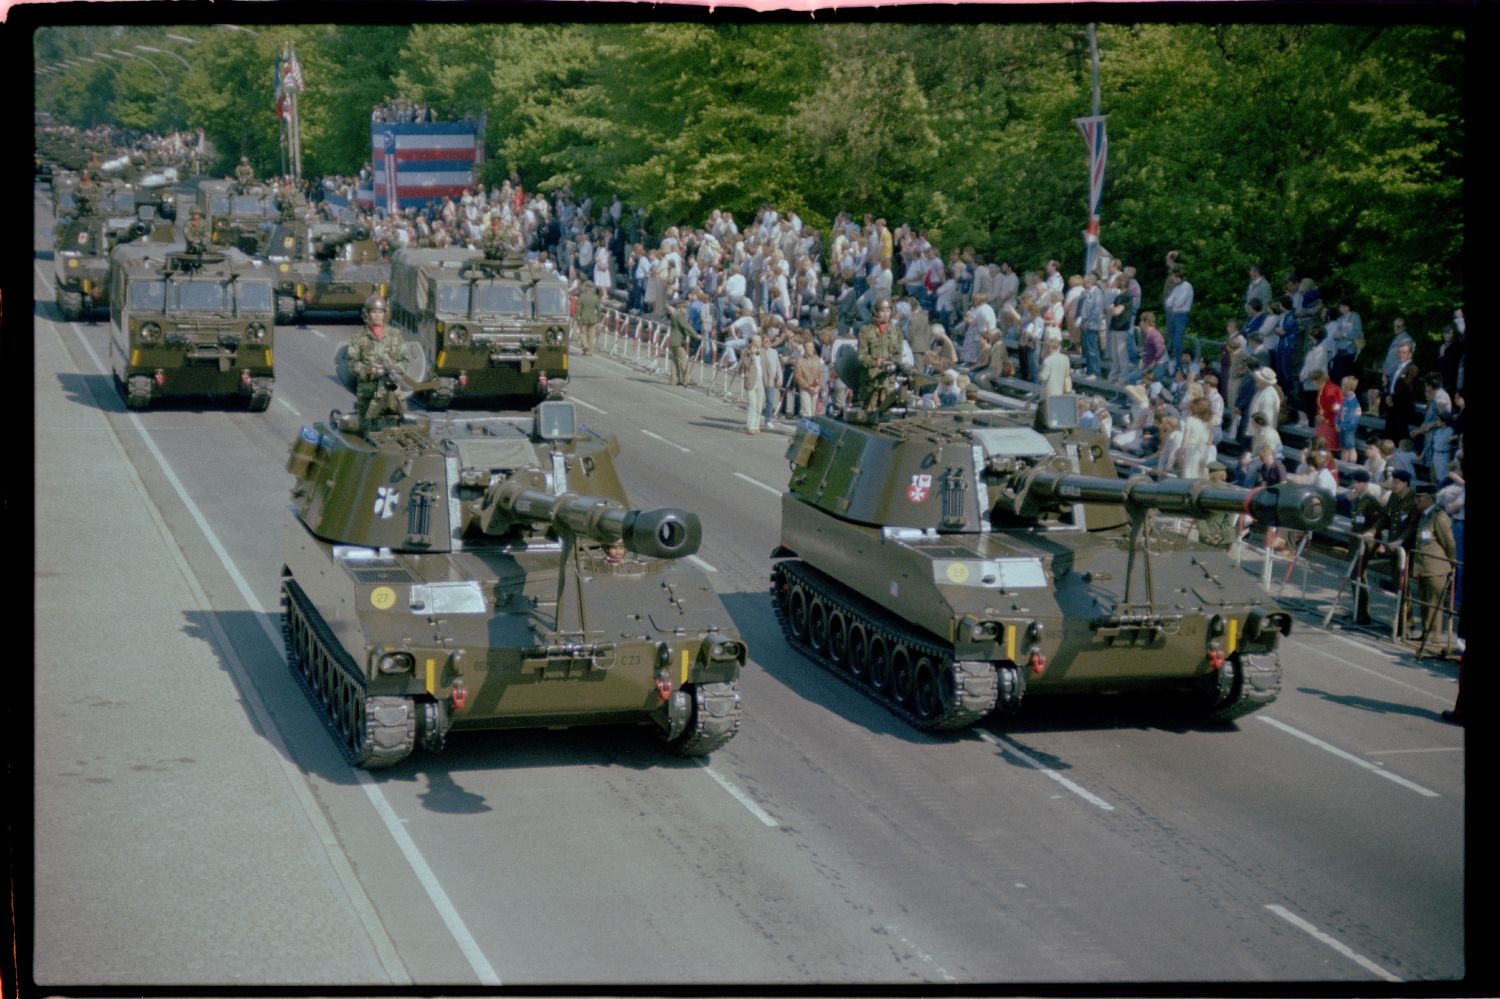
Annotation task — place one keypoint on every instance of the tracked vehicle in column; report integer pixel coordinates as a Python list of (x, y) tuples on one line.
[(950, 563), (325, 267), (446, 575), (190, 324), (489, 327)]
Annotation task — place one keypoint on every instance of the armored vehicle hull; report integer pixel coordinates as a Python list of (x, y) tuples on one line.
[(950, 564), (488, 327), (325, 267), (482, 597), (186, 324)]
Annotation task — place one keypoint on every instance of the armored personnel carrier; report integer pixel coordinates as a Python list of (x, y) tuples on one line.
[(948, 563), (239, 218), (325, 266), (190, 324), (444, 576), (489, 327), (83, 243)]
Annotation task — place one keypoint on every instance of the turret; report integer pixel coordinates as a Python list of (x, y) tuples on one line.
[(405, 487), (327, 242)]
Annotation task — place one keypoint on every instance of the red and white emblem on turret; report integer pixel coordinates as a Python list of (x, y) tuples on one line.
[(920, 486)]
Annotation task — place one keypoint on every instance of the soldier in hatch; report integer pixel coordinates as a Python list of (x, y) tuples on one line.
[(373, 355)]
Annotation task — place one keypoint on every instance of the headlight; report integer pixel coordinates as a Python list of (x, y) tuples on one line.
[(150, 331), (457, 334), (256, 331), (724, 650), (1255, 624), (554, 335), (983, 631), (396, 662)]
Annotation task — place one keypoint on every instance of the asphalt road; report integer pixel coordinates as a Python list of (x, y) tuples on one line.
[(194, 824)]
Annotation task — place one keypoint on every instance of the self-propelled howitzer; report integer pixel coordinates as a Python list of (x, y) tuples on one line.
[(449, 575), (947, 563)]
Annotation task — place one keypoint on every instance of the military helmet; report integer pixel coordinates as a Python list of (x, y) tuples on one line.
[(374, 302)]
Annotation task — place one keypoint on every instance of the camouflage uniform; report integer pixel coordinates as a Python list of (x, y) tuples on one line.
[(195, 234), (244, 175), (85, 195), (369, 359), (877, 348), (499, 240)]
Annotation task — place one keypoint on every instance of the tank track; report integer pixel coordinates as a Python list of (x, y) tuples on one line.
[(931, 691), (716, 719), (1254, 683), (371, 732)]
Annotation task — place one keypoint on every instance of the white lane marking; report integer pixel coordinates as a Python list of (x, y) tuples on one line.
[(701, 564), (659, 437), (756, 482), (317, 333), (738, 795), (1444, 698), (385, 948), (414, 858), (282, 402), (1350, 757), (435, 892), (922, 955), (1344, 949), (1007, 744), (1428, 749), (585, 405)]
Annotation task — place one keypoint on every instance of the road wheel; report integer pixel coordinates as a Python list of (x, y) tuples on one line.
[(927, 698), (817, 627), (902, 675), (796, 612), (838, 639), (879, 674), (859, 651)]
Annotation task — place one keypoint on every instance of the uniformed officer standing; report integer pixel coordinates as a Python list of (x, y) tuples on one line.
[(879, 355), (587, 315), (195, 233), (1394, 526), (679, 333), (373, 354), (499, 239), (1433, 558)]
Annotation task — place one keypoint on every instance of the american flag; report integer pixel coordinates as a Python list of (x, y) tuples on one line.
[(416, 162), (1094, 136)]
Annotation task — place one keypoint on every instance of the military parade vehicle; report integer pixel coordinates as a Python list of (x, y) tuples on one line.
[(488, 327), (186, 323), (241, 218), (444, 575), (948, 562), (325, 266), (84, 242)]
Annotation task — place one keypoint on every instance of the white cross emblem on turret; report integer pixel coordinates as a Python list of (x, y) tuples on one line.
[(385, 502)]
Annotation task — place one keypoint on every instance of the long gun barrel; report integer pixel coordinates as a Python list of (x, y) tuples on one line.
[(1302, 508), (661, 533), (328, 243)]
